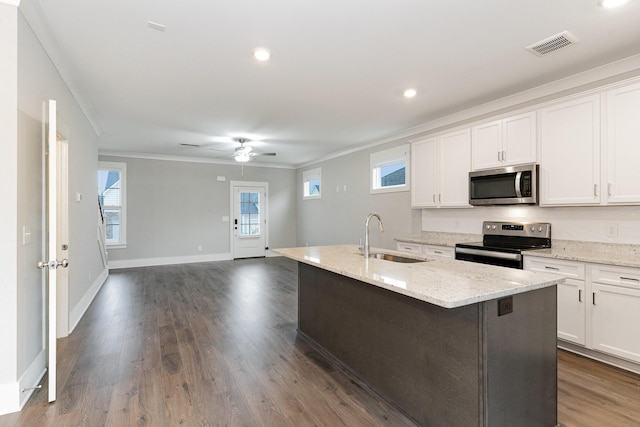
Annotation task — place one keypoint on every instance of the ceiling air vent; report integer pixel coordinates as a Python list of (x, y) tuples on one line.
[(553, 43)]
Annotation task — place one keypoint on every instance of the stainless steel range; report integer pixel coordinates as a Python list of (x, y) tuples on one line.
[(504, 242)]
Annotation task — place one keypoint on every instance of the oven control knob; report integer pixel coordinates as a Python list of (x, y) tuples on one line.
[(488, 227), (540, 229), (533, 228), (493, 227)]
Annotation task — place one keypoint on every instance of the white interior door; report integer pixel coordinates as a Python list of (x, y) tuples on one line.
[(50, 263), (62, 249), (249, 224)]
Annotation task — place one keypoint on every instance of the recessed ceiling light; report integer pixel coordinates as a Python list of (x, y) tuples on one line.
[(610, 4), (262, 54), (410, 93), (156, 26)]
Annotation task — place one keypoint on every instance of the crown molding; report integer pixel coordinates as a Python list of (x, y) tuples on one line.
[(170, 158), (38, 23)]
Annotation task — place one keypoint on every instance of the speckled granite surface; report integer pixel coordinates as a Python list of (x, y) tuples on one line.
[(623, 255), (443, 282), (592, 252)]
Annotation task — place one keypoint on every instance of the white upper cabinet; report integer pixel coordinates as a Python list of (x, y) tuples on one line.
[(570, 153), (622, 112), (505, 142), (424, 159), (440, 170)]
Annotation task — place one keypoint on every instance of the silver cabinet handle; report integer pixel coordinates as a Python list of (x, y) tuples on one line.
[(499, 159), (609, 189), (437, 252), (633, 279), (504, 156), (440, 197), (547, 267), (579, 295), (593, 300), (595, 190)]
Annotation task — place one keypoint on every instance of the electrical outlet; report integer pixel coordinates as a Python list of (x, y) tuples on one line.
[(505, 306)]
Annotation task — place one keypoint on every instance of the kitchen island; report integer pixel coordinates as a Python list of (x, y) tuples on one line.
[(450, 343)]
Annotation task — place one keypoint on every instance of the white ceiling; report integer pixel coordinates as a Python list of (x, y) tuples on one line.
[(338, 70)]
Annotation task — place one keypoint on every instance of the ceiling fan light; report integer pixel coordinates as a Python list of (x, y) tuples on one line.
[(242, 157)]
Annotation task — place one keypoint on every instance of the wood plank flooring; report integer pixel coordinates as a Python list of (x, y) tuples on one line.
[(215, 344)]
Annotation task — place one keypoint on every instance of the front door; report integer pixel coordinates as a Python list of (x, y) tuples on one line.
[(249, 224)]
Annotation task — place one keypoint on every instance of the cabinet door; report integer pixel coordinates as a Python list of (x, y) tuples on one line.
[(623, 145), (414, 248), (486, 145), (439, 251), (424, 158), (519, 139), (570, 153), (615, 316), (572, 311), (455, 163)]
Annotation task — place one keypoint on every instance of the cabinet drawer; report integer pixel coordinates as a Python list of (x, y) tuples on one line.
[(441, 251), (574, 270), (414, 248), (616, 276)]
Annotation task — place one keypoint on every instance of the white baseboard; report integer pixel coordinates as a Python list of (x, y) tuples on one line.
[(149, 262), (600, 357), (9, 398), (12, 397), (32, 377), (78, 311)]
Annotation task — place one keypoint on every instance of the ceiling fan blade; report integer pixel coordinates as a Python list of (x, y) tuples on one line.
[(262, 154)]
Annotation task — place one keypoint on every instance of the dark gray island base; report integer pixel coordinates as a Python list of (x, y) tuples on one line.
[(464, 366)]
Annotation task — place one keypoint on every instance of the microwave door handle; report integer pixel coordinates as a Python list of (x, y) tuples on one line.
[(517, 185)]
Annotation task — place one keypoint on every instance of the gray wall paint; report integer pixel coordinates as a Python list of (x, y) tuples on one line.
[(339, 216), (174, 206)]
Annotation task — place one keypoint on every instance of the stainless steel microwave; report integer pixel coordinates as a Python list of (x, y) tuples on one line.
[(512, 185)]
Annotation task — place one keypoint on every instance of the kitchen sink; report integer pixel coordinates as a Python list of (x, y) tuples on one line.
[(396, 258)]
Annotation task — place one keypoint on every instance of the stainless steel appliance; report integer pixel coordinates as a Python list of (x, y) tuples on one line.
[(504, 242), (511, 185)]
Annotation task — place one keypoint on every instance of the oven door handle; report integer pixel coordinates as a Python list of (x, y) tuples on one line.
[(518, 185), (491, 254)]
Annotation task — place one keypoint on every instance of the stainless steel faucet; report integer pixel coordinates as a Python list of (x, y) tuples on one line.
[(366, 235)]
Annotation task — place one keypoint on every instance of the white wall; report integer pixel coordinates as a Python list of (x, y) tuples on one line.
[(339, 216), (8, 213), (27, 78), (175, 206)]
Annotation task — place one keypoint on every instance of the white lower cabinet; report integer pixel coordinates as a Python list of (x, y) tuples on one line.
[(598, 305), (571, 296), (414, 248), (428, 250), (615, 311), (439, 251)]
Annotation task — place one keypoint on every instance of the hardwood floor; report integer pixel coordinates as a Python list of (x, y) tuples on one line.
[(215, 344)]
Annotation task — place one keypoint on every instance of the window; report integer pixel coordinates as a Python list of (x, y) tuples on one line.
[(111, 195), (249, 214), (311, 181), (390, 170)]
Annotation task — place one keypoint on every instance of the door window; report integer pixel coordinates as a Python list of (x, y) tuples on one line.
[(249, 214)]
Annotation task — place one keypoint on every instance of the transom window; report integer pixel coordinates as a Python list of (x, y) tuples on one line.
[(312, 183), (390, 170)]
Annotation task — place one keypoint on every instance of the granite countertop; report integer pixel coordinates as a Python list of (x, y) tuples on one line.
[(443, 282), (622, 255), (618, 254)]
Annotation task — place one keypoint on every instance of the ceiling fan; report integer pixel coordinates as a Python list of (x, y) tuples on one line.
[(244, 153)]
